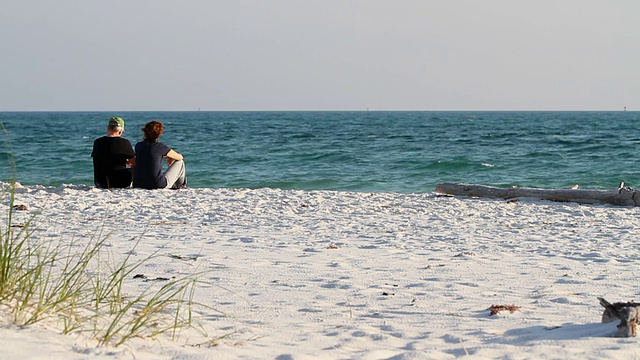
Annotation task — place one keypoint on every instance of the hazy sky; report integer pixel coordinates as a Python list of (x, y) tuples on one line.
[(319, 55)]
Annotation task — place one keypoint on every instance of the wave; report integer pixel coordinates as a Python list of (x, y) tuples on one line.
[(377, 151)]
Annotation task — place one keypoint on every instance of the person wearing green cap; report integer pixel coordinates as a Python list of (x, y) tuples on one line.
[(111, 155)]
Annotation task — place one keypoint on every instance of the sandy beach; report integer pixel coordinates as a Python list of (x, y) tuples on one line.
[(344, 275)]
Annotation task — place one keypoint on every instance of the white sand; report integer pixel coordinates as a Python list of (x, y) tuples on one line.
[(339, 275)]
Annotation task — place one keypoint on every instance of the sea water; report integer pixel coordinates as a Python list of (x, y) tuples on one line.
[(372, 151)]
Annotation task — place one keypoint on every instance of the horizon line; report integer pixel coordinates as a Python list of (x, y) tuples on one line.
[(336, 110)]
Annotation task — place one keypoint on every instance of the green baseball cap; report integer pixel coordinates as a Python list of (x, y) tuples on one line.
[(116, 121)]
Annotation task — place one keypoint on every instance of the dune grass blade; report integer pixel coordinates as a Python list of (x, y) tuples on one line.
[(42, 280), (109, 288), (150, 314)]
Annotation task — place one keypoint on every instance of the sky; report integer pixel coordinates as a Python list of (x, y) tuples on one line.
[(130, 55)]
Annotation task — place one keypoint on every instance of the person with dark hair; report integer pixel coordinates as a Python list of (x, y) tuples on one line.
[(150, 153), (111, 155)]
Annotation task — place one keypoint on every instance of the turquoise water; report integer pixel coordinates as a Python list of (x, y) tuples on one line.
[(358, 151)]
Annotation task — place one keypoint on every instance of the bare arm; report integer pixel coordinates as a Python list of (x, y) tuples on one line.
[(172, 156)]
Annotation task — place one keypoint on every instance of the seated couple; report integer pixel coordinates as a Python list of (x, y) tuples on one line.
[(112, 153)]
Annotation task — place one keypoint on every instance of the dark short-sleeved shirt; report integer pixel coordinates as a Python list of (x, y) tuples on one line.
[(110, 155), (148, 171)]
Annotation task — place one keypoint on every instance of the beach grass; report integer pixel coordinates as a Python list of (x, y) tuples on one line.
[(82, 290), (77, 286)]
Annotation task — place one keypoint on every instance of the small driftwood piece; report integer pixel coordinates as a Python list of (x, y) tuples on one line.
[(496, 309), (623, 196), (628, 313)]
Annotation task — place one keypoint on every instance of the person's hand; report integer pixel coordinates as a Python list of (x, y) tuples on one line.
[(170, 161)]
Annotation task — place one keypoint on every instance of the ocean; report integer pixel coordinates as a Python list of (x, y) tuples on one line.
[(364, 151)]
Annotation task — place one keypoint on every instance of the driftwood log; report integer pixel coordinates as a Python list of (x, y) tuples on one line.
[(628, 313), (623, 196)]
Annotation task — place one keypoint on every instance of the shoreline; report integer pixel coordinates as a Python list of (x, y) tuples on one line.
[(332, 274)]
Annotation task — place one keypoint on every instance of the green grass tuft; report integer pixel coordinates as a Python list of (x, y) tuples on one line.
[(57, 283)]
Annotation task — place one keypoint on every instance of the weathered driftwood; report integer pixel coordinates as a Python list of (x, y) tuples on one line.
[(624, 196), (628, 314)]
